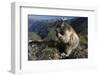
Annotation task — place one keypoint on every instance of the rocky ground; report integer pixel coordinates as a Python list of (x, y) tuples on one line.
[(43, 51)]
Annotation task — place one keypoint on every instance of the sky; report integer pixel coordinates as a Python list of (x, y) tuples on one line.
[(44, 17)]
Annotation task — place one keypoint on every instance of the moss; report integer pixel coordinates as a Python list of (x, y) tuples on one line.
[(33, 36)]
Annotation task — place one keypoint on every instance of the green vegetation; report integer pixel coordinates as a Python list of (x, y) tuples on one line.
[(83, 40), (51, 35), (33, 36)]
